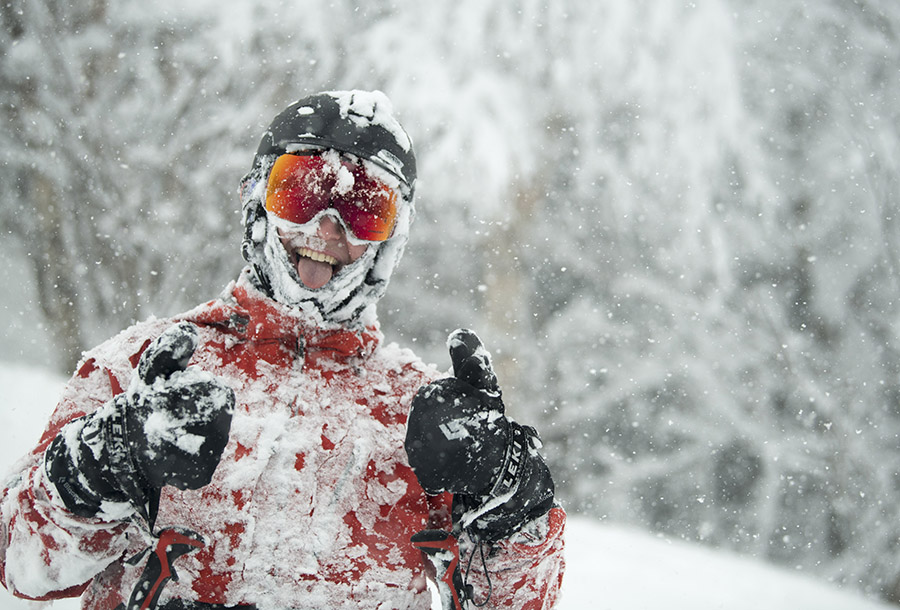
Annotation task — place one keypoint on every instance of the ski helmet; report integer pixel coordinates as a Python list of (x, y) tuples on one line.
[(358, 123)]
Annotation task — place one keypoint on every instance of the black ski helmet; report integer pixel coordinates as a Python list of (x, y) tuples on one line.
[(336, 120)]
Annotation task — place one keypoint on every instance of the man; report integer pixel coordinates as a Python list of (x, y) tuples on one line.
[(266, 450)]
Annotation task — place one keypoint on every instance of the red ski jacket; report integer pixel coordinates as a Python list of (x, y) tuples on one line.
[(313, 503)]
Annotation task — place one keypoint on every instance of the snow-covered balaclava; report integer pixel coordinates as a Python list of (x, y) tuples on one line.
[(360, 124)]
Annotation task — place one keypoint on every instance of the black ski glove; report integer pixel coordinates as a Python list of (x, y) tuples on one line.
[(459, 440), (168, 428)]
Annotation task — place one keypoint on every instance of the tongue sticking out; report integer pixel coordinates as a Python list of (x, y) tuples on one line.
[(313, 274)]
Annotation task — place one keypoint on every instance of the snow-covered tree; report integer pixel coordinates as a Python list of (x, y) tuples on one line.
[(115, 161)]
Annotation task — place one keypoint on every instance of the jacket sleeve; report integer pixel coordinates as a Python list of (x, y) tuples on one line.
[(524, 571), (46, 552)]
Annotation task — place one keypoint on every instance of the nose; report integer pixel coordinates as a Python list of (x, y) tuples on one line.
[(330, 228)]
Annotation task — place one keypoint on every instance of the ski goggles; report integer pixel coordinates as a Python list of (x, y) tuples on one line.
[(300, 187)]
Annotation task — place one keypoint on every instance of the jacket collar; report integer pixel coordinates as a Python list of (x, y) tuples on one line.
[(277, 332)]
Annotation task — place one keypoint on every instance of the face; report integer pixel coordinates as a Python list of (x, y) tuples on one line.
[(318, 256)]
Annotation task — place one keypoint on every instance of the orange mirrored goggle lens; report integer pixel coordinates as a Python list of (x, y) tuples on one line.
[(301, 186)]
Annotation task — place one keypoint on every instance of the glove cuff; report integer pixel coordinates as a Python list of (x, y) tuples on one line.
[(514, 459), (72, 486), (523, 491), (90, 464)]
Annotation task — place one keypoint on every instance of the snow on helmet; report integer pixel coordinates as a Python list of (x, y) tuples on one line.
[(356, 122), (359, 123)]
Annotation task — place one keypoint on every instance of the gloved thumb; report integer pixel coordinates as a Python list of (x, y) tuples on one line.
[(471, 361), (170, 352)]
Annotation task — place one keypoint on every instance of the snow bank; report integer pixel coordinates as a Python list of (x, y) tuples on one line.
[(615, 568), (609, 567)]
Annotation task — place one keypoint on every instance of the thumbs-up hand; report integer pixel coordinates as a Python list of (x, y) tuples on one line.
[(456, 433), (169, 427), (177, 417), (458, 439)]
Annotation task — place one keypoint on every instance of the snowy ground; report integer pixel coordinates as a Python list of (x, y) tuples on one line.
[(609, 567)]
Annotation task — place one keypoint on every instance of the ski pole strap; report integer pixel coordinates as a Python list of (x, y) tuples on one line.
[(442, 548), (487, 576)]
